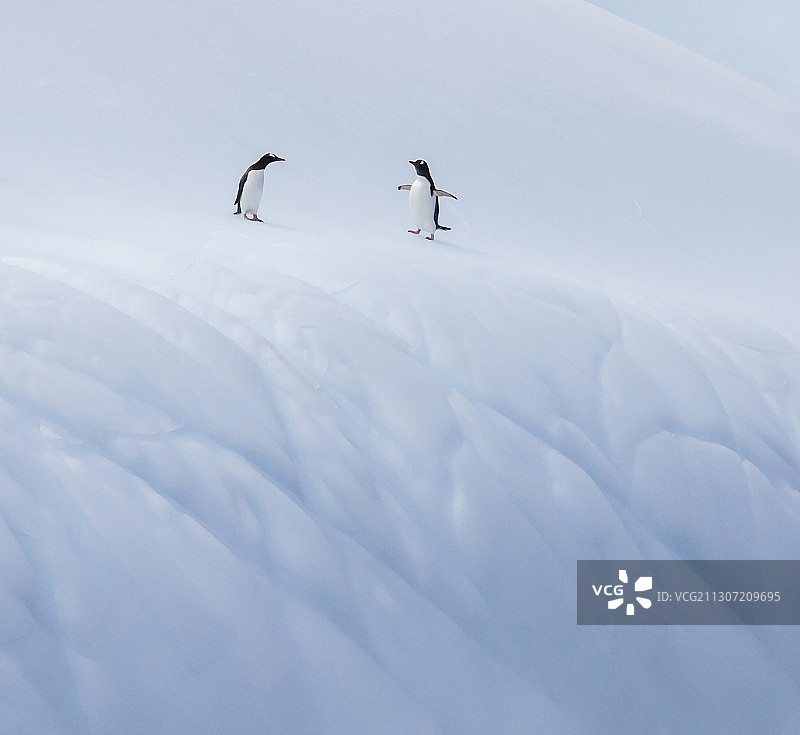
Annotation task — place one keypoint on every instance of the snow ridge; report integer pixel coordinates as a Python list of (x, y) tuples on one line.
[(385, 469)]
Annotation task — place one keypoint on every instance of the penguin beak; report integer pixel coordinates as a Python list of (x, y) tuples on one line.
[(411, 162), (278, 158)]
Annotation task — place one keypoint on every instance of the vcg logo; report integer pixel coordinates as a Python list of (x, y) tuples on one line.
[(617, 592)]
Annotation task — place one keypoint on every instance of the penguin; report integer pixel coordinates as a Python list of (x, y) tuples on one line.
[(423, 200), (251, 186)]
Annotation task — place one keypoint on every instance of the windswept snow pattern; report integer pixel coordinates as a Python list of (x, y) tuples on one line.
[(354, 501), (317, 476)]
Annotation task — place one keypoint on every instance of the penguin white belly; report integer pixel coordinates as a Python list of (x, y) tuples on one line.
[(421, 204), (251, 192)]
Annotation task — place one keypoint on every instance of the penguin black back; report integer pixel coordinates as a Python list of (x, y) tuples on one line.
[(436, 216), (259, 165)]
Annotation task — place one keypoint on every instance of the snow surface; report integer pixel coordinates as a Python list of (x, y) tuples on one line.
[(757, 38), (319, 476)]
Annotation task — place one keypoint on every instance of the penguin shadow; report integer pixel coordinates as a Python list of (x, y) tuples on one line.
[(443, 240), (272, 225), (282, 226)]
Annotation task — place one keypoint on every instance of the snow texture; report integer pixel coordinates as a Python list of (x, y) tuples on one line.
[(319, 476)]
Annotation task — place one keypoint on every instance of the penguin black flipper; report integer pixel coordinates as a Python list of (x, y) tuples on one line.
[(407, 187), (238, 200), (436, 216), (443, 193)]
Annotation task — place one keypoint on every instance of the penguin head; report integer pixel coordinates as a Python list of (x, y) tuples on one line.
[(421, 167), (267, 159)]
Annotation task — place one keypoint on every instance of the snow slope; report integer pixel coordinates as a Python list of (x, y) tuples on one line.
[(757, 38), (320, 476)]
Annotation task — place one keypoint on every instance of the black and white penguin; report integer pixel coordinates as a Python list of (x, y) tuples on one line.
[(423, 200), (251, 186)]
